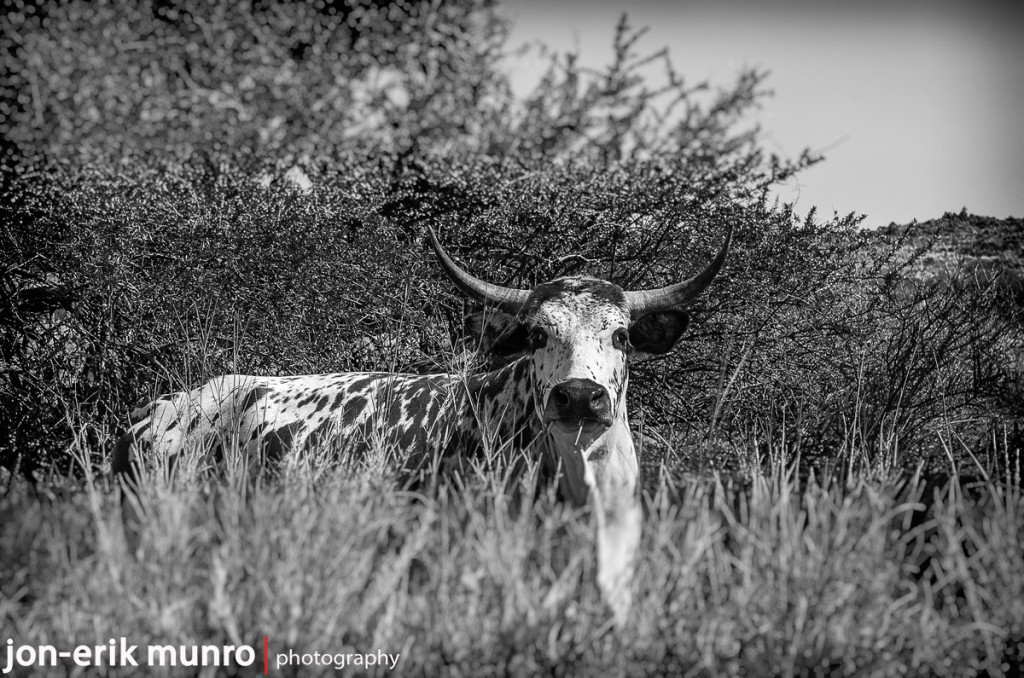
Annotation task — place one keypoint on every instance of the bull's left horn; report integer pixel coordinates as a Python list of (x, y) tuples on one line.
[(507, 298), (648, 301)]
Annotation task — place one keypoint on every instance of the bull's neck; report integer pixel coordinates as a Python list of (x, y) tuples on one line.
[(503, 402)]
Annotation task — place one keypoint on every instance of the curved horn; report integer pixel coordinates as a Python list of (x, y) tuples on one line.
[(647, 301), (508, 298)]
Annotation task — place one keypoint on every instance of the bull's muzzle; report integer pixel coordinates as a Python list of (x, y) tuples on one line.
[(577, 403)]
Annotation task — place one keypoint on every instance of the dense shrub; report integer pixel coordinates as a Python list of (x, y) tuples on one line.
[(225, 187), (258, 77)]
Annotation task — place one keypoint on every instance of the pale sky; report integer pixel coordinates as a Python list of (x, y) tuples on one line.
[(918, 106)]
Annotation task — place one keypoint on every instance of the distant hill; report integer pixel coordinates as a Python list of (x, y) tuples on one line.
[(959, 240)]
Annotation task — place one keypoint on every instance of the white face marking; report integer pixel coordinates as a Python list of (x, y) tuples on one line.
[(580, 345)]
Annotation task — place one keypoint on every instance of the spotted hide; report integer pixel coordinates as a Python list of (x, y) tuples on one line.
[(561, 396)]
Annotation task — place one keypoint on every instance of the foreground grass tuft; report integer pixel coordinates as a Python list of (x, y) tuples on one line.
[(768, 579)]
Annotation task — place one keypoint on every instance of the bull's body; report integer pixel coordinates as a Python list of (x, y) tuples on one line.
[(563, 401), (422, 419)]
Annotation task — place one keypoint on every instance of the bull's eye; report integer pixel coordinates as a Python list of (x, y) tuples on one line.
[(538, 338), (620, 339)]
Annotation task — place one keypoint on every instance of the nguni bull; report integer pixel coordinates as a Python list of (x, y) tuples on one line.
[(563, 399)]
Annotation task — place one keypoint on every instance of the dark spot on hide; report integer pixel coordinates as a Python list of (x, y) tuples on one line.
[(353, 408), (279, 441), (253, 396)]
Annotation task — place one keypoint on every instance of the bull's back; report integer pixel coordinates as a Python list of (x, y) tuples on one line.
[(161, 428), (276, 415)]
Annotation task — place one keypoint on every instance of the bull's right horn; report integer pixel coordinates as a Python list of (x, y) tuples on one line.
[(509, 299)]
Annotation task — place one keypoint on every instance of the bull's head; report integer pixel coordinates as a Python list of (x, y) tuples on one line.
[(579, 334)]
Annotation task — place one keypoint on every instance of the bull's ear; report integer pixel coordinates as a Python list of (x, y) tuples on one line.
[(658, 332), (498, 333)]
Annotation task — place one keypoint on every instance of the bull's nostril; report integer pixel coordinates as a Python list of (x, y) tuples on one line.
[(562, 399)]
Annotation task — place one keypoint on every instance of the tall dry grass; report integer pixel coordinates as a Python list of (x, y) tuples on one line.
[(773, 576)]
